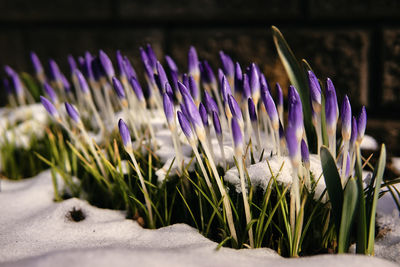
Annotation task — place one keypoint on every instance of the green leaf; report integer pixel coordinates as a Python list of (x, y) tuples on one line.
[(297, 77), (32, 85), (333, 184), (362, 216), (378, 180), (350, 201)]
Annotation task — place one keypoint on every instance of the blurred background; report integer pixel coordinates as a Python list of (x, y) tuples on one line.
[(354, 42)]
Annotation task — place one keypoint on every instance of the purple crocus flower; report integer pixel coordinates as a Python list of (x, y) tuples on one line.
[(72, 63), (279, 99), (106, 64), (171, 64), (72, 112), (82, 82), (185, 80), (168, 90), (293, 146), (305, 154), (235, 108), (10, 71), (226, 89), (120, 64), (50, 92), (193, 63), (211, 105), (168, 109), (361, 124), (125, 134), (16, 81), (151, 56), (237, 135), (65, 83), (263, 81), (128, 68), (217, 124), (270, 107), (88, 70), (37, 65), (203, 114), (238, 78), (54, 70), (346, 118), (119, 89), (194, 90), (295, 118), (183, 89), (208, 73), (246, 86), (227, 64), (193, 112), (7, 87), (49, 106), (315, 91), (162, 76), (252, 110), (136, 88), (185, 125), (254, 81), (331, 107)]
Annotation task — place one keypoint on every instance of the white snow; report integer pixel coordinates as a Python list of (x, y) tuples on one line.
[(369, 143), (35, 231)]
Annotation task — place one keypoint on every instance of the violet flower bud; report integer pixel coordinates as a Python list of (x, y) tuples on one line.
[(37, 65), (50, 108), (183, 89), (125, 134), (119, 89), (169, 91), (193, 63), (226, 89), (203, 114), (211, 105), (194, 90), (162, 76), (171, 64), (293, 146), (227, 64), (72, 63), (217, 124), (270, 107), (315, 92), (50, 92), (82, 82), (136, 88), (246, 86), (354, 131), (252, 110), (10, 71), (65, 83), (238, 78), (120, 64), (128, 68), (235, 108), (72, 112), (88, 66), (237, 136), (151, 56), (185, 80), (346, 118), (305, 154), (263, 81), (254, 82), (295, 118), (16, 81), (209, 73), (331, 108), (106, 64), (193, 112), (185, 125), (54, 70), (361, 123), (168, 109)]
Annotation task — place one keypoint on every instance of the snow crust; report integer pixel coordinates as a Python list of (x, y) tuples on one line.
[(35, 231)]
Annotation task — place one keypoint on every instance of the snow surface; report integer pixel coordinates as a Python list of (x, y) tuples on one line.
[(35, 231)]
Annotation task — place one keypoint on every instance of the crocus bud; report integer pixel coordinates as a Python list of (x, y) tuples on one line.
[(252, 110), (346, 119), (354, 131), (254, 82), (185, 125), (203, 114), (151, 56), (237, 137), (88, 70), (50, 92), (270, 107), (65, 83), (168, 109), (128, 68), (305, 154), (82, 82), (279, 99), (49, 107), (193, 64), (246, 86), (37, 65), (361, 124), (169, 91), (119, 89), (120, 64), (183, 89), (238, 78), (217, 124), (16, 81), (295, 118), (106, 64), (235, 108), (226, 89), (315, 92), (211, 105), (194, 90), (125, 134), (331, 108), (193, 113), (209, 73), (136, 88), (162, 76), (55, 71), (227, 65), (72, 112), (72, 63), (171, 64)]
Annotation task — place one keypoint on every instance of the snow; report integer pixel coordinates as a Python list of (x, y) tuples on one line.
[(35, 231), (369, 143)]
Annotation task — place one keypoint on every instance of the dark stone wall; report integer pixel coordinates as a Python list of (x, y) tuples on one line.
[(354, 42)]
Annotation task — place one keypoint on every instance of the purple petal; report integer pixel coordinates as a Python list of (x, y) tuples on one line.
[(246, 86), (227, 64), (72, 112), (192, 110), (305, 154), (185, 125), (331, 105), (211, 105), (235, 108), (362, 124), (49, 106), (37, 65), (162, 76), (203, 114), (124, 132), (119, 89), (217, 123), (194, 91), (151, 56), (315, 89), (236, 133), (50, 92), (171, 64), (168, 108), (136, 88), (106, 64), (238, 78), (193, 62), (270, 107), (346, 118), (292, 144), (252, 110), (82, 82), (354, 131)]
